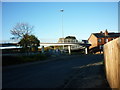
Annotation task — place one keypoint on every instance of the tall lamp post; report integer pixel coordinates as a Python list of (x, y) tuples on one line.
[(62, 26)]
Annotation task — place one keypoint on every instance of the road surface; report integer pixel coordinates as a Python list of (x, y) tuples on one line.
[(57, 73)]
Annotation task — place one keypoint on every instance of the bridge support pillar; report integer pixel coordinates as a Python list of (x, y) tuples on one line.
[(63, 47), (86, 50), (69, 49), (42, 49)]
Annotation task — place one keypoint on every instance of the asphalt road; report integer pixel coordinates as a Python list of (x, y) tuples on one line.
[(51, 74)]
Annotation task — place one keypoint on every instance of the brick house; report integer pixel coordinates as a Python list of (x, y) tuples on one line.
[(97, 40)]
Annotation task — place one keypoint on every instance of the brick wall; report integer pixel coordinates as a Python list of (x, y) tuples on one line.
[(93, 41)]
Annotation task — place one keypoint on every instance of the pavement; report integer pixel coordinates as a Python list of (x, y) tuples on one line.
[(75, 71)]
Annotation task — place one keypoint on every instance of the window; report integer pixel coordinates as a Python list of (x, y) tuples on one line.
[(106, 40), (112, 38), (99, 40), (101, 46)]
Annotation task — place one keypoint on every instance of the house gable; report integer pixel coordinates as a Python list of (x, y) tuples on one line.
[(93, 40)]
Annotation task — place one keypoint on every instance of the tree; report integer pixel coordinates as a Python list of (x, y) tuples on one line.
[(21, 29), (29, 42)]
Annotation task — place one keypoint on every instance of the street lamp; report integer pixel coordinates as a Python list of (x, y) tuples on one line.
[(62, 26), (62, 22)]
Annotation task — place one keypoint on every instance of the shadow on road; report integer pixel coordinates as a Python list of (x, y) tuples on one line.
[(91, 75)]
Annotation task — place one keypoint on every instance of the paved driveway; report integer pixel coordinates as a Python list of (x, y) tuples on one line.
[(56, 73)]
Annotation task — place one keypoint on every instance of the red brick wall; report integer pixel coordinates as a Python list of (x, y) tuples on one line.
[(93, 41)]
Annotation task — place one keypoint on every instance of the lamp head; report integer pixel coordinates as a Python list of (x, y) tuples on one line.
[(61, 10)]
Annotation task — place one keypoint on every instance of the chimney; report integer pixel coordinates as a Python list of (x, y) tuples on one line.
[(106, 32), (101, 32)]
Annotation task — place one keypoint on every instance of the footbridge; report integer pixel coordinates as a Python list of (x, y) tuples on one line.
[(84, 45)]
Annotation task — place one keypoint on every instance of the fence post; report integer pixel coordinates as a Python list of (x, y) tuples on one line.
[(42, 49)]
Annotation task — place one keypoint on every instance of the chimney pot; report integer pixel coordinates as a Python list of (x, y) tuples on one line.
[(106, 32), (101, 32)]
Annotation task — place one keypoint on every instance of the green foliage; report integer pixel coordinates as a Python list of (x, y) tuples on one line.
[(29, 43)]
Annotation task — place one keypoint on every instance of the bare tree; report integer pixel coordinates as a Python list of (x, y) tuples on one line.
[(21, 29)]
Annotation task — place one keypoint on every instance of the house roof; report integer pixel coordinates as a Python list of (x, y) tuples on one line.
[(110, 35), (70, 37)]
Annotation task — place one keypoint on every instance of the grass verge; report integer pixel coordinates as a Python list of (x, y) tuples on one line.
[(12, 60)]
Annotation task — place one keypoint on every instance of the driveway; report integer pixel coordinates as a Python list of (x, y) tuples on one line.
[(73, 71)]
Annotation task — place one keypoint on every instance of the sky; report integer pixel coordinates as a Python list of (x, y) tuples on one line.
[(80, 19), (60, 0)]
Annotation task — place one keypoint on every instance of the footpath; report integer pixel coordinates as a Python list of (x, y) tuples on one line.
[(89, 76)]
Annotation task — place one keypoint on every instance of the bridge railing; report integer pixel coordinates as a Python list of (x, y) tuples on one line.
[(42, 40), (9, 41)]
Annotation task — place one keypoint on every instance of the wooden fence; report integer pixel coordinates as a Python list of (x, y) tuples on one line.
[(112, 62)]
